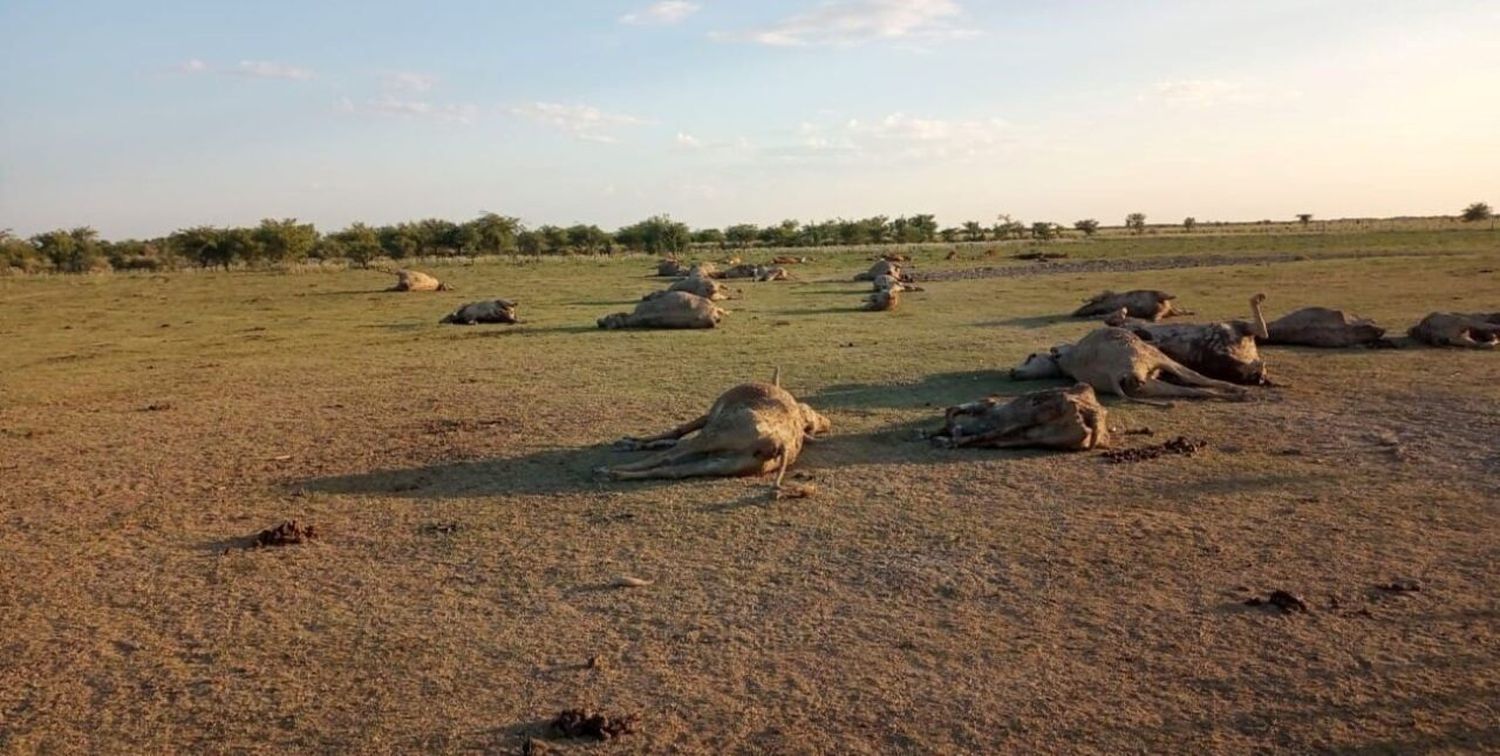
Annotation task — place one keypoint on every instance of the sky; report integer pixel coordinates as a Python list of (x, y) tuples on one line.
[(142, 117)]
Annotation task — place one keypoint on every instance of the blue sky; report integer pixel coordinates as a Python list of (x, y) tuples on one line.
[(142, 117)]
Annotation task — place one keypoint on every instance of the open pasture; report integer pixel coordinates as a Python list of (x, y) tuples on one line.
[(921, 600)]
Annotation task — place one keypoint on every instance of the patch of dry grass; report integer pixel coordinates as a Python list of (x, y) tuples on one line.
[(920, 600)]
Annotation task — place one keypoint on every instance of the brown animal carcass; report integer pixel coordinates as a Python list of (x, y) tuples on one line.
[(1143, 304), (673, 309), (703, 287), (1323, 327), (1225, 351), (1117, 361), (752, 429), (412, 280), (488, 311), (1474, 330), (773, 273), (743, 270), (671, 268), (1070, 419), (881, 301), (882, 268), (705, 270)]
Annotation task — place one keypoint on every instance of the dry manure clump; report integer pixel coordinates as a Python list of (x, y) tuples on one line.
[(582, 723), (286, 534), (1181, 445)]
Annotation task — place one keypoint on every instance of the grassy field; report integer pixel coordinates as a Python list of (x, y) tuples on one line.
[(921, 601)]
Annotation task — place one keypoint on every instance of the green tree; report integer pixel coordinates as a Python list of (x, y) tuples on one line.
[(973, 231), (1136, 222), (359, 244), (949, 234), (203, 245), (709, 236), (741, 235), (1189, 223), (554, 239), (530, 242), (1088, 226), (400, 241), (1042, 231), (489, 234), (240, 244), (589, 239), (1304, 218), (1479, 211), (18, 254), (71, 251), (285, 240), (441, 237), (657, 235)]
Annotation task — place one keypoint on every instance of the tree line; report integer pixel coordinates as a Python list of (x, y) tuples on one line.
[(284, 241)]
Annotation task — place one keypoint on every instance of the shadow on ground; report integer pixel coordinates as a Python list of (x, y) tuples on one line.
[(1030, 321), (546, 472), (936, 391)]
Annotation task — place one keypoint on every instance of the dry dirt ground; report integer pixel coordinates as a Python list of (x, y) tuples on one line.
[(460, 590)]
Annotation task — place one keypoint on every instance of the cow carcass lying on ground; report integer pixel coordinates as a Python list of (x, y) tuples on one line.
[(671, 267), (412, 280), (1475, 330), (891, 283), (1225, 351), (703, 287), (743, 270), (673, 309), (883, 268), (705, 270), (1141, 303), (773, 273), (882, 301), (752, 429), (1323, 327), (1117, 361), (1070, 419), (489, 311)]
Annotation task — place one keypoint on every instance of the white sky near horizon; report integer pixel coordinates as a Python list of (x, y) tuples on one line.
[(139, 118)]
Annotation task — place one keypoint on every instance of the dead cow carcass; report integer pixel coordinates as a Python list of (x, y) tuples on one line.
[(671, 267), (1141, 303), (1070, 419), (1225, 350), (752, 429), (703, 287), (488, 311), (1475, 330), (883, 268), (673, 309), (1324, 327), (1121, 363), (412, 280)]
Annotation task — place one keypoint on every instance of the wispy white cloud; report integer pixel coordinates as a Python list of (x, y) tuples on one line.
[(581, 121), (266, 69), (1202, 93), (661, 13), (688, 140), (897, 136), (388, 105), (409, 81), (853, 22), (259, 69)]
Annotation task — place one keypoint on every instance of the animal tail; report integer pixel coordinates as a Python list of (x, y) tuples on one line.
[(776, 377)]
